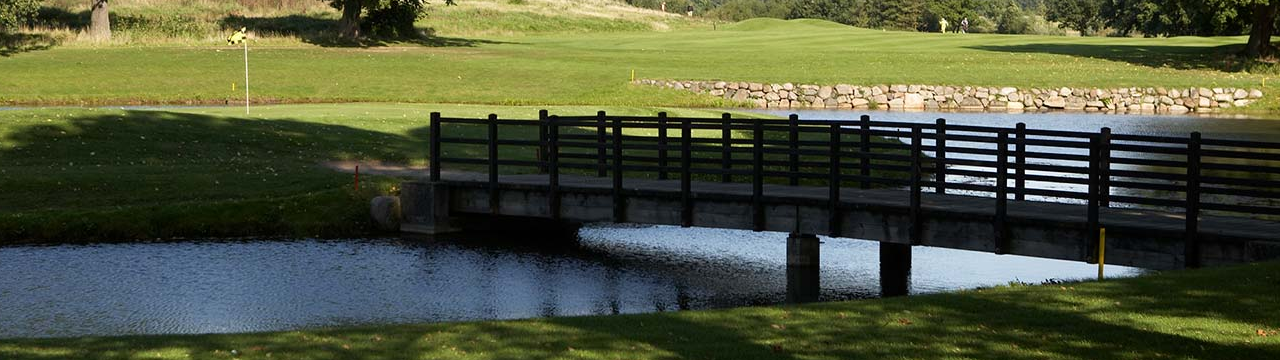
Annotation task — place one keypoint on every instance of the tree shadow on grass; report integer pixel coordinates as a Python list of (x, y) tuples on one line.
[(114, 176), (322, 31), (13, 44), (1223, 57)]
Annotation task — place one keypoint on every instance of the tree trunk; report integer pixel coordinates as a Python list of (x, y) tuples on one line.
[(99, 22), (1264, 20), (349, 26)]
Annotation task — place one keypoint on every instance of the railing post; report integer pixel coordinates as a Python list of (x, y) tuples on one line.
[(602, 165), (686, 173), (1002, 192), (662, 145), (1104, 168), (493, 163), (726, 143), (916, 231), (435, 148), (1020, 175), (619, 203), (1090, 246), (553, 167), (864, 142), (757, 175), (940, 158), (793, 136), (1191, 246), (833, 182), (541, 154)]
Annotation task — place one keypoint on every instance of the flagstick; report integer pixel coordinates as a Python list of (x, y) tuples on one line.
[(246, 76)]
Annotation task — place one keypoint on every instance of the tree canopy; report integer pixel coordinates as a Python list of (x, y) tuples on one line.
[(16, 12)]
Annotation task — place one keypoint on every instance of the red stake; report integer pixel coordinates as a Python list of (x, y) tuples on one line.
[(357, 177)]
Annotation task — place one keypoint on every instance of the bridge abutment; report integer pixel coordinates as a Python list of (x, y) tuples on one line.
[(803, 283), (895, 269), (425, 208)]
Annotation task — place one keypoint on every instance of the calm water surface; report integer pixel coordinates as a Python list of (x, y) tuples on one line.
[(237, 286)]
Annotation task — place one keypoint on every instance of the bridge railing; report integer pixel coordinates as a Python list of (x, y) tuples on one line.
[(1178, 174)]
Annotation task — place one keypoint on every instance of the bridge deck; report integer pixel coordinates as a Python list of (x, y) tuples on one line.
[(1222, 236)]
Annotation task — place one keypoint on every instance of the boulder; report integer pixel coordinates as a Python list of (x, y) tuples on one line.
[(913, 101), (788, 86), (385, 212), (859, 102), (1178, 109), (1095, 103), (1204, 102), (825, 92), (719, 85), (972, 104), (1056, 102), (1075, 103), (772, 97), (741, 95), (1222, 97), (1240, 94), (755, 86), (1255, 94), (896, 104), (843, 89), (1241, 102), (1064, 91), (1006, 91), (1166, 100), (1014, 105), (717, 92), (881, 99)]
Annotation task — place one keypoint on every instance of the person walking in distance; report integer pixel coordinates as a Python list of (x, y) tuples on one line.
[(689, 9), (942, 24), (964, 26), (664, 6)]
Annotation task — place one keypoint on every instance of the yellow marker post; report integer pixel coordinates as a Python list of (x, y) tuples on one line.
[(233, 86), (1102, 250), (633, 75)]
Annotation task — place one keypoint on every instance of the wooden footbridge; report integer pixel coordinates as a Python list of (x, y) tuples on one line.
[(1165, 202)]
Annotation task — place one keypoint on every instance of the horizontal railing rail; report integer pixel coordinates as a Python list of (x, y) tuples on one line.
[(1180, 174)]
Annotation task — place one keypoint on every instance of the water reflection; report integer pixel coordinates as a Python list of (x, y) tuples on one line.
[(236, 286)]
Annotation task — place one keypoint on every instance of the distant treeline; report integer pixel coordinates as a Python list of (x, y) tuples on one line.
[(985, 16)]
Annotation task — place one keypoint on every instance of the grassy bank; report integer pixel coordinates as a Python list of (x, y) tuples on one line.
[(74, 175), (1220, 313), (593, 67)]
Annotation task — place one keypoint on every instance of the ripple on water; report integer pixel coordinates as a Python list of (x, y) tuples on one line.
[(237, 286)]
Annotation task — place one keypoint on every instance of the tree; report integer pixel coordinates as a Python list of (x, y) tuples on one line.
[(385, 17), (1082, 15), (1264, 25), (16, 12), (100, 21), (1199, 17)]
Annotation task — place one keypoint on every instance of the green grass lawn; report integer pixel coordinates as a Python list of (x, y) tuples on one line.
[(1219, 313), (593, 68), (79, 175)]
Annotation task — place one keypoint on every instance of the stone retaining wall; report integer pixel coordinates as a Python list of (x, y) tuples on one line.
[(970, 98)]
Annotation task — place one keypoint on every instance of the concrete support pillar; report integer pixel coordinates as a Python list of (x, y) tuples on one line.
[(895, 269), (802, 268), (425, 208)]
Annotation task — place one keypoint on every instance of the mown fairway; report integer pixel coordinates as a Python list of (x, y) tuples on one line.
[(594, 68)]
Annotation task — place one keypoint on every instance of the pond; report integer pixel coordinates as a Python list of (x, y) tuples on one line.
[(260, 285)]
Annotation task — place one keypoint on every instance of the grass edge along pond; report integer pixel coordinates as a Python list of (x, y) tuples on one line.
[(1215, 313)]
